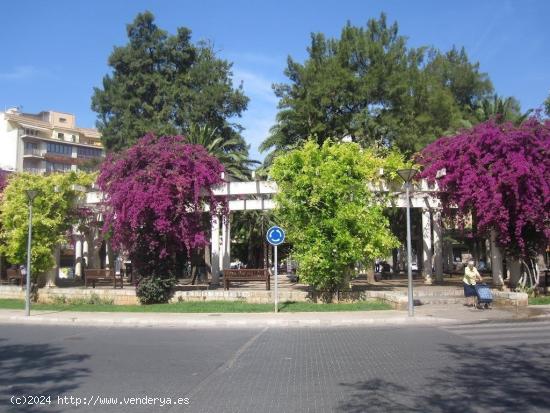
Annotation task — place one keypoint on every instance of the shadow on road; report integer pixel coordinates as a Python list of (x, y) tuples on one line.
[(37, 369), (499, 379)]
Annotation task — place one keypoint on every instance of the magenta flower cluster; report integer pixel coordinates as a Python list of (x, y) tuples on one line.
[(3, 179), (155, 196), (501, 174)]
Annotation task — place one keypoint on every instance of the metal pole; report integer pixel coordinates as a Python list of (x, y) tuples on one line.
[(276, 283), (28, 292), (409, 257)]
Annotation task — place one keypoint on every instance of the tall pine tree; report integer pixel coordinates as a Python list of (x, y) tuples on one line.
[(163, 84), (371, 86)]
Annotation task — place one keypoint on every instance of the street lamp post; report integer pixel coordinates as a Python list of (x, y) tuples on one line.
[(407, 175), (31, 194)]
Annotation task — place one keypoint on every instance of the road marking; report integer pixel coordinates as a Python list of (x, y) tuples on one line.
[(224, 367), (504, 333), (509, 325)]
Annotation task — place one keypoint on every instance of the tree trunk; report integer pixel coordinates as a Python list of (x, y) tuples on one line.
[(251, 262)]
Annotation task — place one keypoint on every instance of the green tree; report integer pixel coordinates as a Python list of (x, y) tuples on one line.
[(501, 110), (371, 86), (229, 152), (251, 227), (547, 105), (54, 214), (163, 83), (332, 219), (462, 78)]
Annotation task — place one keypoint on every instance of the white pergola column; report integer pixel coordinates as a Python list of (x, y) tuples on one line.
[(487, 246), (438, 245), (496, 261), (78, 257), (225, 259), (107, 260), (426, 246), (85, 254), (215, 250)]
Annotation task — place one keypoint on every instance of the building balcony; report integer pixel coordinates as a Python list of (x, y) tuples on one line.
[(33, 153), (35, 138), (34, 171), (59, 157)]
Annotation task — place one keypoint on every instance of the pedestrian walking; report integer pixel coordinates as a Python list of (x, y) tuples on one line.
[(471, 276)]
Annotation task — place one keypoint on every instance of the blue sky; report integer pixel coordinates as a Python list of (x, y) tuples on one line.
[(55, 52)]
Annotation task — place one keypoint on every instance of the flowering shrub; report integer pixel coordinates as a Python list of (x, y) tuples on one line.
[(155, 193), (501, 174)]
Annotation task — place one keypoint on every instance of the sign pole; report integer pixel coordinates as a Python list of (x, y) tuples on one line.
[(276, 282), (28, 269), (275, 236)]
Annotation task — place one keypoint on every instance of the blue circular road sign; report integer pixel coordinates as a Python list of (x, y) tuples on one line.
[(275, 235)]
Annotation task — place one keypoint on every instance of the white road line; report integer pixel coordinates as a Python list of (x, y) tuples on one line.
[(504, 333), (510, 325), (503, 330)]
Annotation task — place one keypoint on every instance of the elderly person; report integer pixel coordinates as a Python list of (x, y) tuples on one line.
[(471, 276)]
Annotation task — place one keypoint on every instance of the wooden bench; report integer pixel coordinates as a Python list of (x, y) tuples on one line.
[(14, 274), (92, 275), (246, 275)]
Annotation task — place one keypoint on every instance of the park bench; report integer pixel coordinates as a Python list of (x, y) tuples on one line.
[(14, 274), (92, 275), (245, 275)]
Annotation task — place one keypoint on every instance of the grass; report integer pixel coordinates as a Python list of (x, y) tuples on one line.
[(539, 300), (201, 307)]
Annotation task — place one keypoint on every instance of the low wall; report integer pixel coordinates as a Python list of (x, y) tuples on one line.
[(49, 294), (127, 296)]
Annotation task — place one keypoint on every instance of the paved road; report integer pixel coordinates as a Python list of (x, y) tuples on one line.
[(491, 367)]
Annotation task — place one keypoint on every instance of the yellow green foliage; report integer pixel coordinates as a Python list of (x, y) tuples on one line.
[(331, 216), (54, 213)]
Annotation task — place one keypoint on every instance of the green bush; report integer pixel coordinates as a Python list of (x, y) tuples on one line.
[(92, 299), (155, 290)]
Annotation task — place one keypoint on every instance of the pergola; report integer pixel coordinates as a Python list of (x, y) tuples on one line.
[(258, 195)]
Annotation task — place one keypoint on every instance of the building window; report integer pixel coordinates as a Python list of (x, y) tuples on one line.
[(89, 152), (60, 148), (74, 138), (57, 167), (31, 148), (62, 120), (30, 132), (60, 136)]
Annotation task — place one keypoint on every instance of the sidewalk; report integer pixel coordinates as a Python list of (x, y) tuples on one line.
[(427, 315)]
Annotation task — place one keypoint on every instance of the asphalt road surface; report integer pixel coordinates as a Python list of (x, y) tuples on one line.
[(491, 367)]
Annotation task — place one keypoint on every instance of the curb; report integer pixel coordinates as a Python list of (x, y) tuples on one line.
[(77, 319)]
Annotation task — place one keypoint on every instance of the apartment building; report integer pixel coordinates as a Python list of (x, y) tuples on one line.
[(46, 142)]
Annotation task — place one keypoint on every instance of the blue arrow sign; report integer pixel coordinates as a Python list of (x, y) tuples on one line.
[(275, 235)]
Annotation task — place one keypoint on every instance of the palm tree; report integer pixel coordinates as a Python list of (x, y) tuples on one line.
[(252, 226), (229, 152), (501, 110)]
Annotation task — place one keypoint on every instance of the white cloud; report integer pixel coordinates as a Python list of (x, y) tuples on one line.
[(256, 58), (257, 127), (255, 86), (19, 72)]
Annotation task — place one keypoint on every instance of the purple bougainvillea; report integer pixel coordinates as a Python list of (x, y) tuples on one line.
[(500, 174), (155, 193), (3, 179)]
